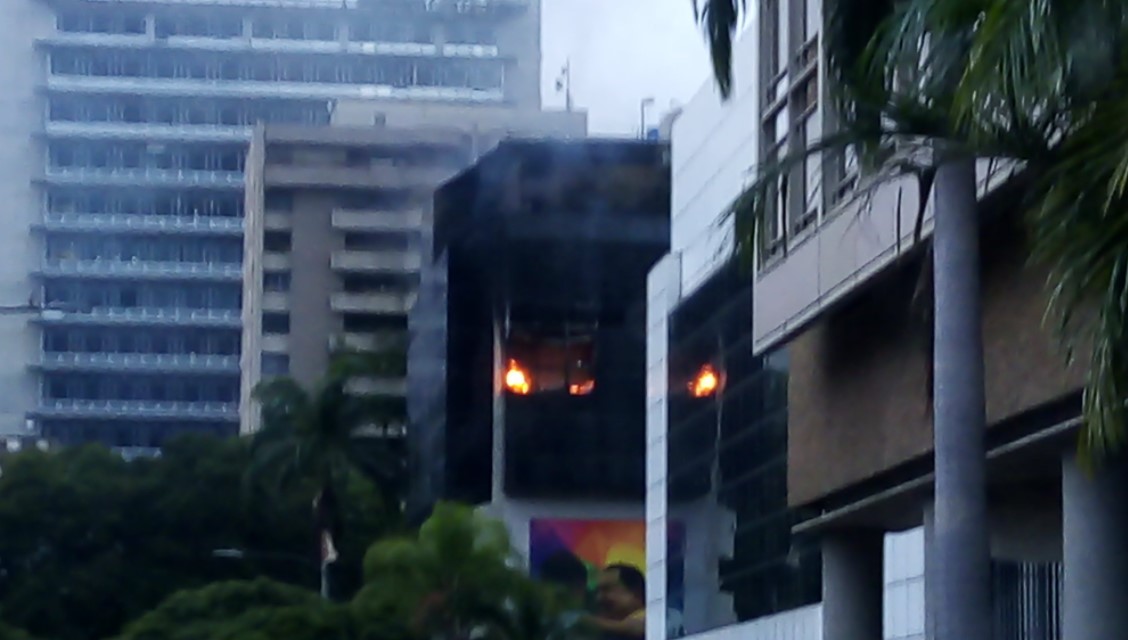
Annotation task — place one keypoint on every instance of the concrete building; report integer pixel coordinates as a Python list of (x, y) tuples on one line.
[(526, 360), (335, 219), (124, 127), (788, 431)]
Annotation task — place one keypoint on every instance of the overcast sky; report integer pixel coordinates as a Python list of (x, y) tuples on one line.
[(623, 51)]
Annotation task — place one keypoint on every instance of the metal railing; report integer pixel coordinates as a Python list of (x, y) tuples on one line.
[(1028, 601), (189, 361), (148, 130), (148, 408), (148, 175), (139, 269), (267, 89), (152, 315), (395, 261), (123, 221), (390, 303)]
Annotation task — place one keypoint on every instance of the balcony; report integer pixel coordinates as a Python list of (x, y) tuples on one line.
[(374, 303), (275, 343), (275, 301), (470, 51), (379, 386), (377, 174), (121, 177), (390, 221), (375, 261), (276, 221), (157, 362), (364, 341), (136, 409), (226, 271), (125, 223), (177, 87), (104, 316), (276, 262), (148, 131)]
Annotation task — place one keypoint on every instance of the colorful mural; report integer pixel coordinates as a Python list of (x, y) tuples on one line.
[(601, 543)]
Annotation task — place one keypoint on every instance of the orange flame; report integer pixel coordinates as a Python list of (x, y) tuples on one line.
[(706, 382), (516, 380), (581, 388)]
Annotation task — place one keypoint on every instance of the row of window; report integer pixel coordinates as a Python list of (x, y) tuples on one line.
[(194, 341), (84, 386), (296, 28), (395, 72), (141, 156), (144, 249), (86, 296), (138, 109), (147, 203)]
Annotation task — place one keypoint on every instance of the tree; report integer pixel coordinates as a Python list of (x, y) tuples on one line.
[(245, 610), (459, 578), (91, 541)]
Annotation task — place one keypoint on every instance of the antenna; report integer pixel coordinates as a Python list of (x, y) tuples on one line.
[(564, 83)]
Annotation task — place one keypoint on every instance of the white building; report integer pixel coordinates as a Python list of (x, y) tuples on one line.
[(725, 579)]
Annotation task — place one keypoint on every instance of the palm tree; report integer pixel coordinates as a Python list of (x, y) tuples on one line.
[(458, 578), (1042, 84), (329, 433)]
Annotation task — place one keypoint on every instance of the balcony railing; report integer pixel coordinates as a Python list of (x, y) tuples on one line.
[(133, 177), (275, 343), (263, 89), (276, 221), (118, 222), (276, 261), (143, 270), (151, 316), (275, 301), (149, 409), (376, 261), (148, 131), (391, 221), (377, 303), (145, 361)]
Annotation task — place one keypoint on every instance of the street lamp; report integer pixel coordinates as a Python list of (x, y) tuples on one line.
[(245, 554)]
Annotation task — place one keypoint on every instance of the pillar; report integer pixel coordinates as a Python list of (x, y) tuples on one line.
[(929, 571), (1095, 551), (853, 585)]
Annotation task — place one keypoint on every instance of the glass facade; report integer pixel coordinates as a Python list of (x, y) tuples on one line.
[(727, 464)]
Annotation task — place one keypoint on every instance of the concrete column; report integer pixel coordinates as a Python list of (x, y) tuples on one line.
[(1095, 546), (929, 571), (853, 585)]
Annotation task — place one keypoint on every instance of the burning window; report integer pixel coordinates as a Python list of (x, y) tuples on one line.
[(539, 361)]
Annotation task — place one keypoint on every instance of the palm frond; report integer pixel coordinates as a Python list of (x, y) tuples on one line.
[(720, 19), (1079, 229)]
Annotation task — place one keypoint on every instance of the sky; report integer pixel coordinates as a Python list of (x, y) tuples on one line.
[(621, 52)]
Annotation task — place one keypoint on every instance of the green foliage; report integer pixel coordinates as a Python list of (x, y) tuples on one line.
[(91, 541), (218, 609), (1043, 83), (329, 433), (458, 578)]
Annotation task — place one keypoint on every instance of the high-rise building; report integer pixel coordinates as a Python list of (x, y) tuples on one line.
[(123, 133), (526, 363), (335, 221)]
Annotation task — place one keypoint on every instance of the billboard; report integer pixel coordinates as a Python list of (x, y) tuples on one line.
[(601, 543)]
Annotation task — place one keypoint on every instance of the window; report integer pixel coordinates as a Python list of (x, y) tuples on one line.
[(538, 361), (276, 323), (276, 242), (276, 282), (275, 364)]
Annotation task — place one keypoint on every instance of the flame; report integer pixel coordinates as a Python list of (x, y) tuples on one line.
[(705, 383), (581, 388), (516, 380)]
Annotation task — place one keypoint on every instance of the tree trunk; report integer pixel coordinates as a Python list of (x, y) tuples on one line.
[(963, 556)]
